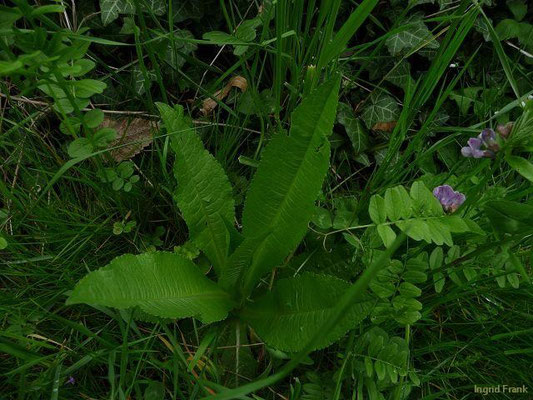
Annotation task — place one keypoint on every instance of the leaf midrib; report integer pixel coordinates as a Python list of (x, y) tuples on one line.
[(209, 295)]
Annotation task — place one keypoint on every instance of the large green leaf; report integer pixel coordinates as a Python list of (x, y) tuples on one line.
[(280, 202), (204, 193), (289, 316), (159, 283)]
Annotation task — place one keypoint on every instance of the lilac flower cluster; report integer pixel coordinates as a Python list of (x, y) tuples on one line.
[(487, 139), (484, 145)]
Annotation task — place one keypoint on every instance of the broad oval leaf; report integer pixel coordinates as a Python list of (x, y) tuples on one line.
[(204, 194), (387, 234), (397, 203), (160, 283), (376, 209), (281, 198), (289, 316)]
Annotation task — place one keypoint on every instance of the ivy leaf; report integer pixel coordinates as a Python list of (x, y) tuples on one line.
[(465, 98), (176, 51), (509, 28), (162, 284), (204, 194), (381, 108), (112, 8), (158, 7), (400, 75), (139, 83), (289, 316), (128, 27), (410, 38), (354, 128), (188, 9)]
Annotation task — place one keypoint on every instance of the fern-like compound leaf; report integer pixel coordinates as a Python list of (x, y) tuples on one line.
[(418, 214)]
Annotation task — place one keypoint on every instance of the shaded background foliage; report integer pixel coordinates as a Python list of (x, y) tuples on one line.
[(60, 218)]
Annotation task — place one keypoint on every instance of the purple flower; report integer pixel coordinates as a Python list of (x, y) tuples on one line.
[(473, 149), (486, 138), (71, 380), (448, 198)]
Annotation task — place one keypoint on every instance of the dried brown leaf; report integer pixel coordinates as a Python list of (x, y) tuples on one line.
[(133, 135), (210, 104), (384, 126)]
